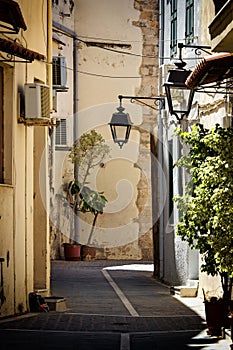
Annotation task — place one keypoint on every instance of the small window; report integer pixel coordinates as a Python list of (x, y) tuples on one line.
[(189, 21), (173, 44), (61, 133)]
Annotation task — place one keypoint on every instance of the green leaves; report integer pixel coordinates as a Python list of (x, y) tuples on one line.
[(88, 199), (90, 149), (87, 153), (207, 206)]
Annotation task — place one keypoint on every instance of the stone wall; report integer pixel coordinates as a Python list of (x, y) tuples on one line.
[(148, 22), (142, 247)]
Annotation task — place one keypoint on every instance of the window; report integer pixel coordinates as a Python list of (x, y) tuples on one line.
[(61, 134), (173, 44), (1, 129), (189, 21)]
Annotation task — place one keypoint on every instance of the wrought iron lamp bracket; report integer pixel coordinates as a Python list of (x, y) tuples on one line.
[(198, 49), (159, 102)]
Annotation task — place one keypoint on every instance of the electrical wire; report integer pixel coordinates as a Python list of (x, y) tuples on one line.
[(100, 46), (127, 41), (135, 54), (108, 76)]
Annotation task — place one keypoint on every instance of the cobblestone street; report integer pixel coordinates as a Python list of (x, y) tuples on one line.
[(112, 307)]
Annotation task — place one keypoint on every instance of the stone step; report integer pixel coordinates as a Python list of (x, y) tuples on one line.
[(56, 303), (189, 290)]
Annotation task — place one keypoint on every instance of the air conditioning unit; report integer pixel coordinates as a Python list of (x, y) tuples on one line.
[(37, 101), (163, 74), (59, 73)]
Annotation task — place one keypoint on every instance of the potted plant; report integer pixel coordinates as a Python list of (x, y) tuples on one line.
[(207, 209), (230, 317), (87, 153)]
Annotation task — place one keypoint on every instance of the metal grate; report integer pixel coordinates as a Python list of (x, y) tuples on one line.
[(59, 71), (45, 105)]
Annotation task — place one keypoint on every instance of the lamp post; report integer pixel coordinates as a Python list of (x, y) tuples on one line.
[(121, 124)]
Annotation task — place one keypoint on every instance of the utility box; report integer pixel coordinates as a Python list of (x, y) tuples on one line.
[(37, 101)]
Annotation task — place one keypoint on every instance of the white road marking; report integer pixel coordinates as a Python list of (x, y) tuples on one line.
[(132, 267), (120, 294)]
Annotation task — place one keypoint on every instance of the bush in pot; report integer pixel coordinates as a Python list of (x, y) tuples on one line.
[(87, 153), (207, 205)]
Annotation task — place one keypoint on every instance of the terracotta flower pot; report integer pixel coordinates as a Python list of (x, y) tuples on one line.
[(216, 316), (88, 253), (72, 252)]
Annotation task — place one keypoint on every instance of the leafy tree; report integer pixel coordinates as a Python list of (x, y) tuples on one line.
[(207, 205), (88, 152)]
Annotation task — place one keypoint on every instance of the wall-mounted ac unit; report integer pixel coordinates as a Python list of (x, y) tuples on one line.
[(37, 101), (163, 74), (59, 73)]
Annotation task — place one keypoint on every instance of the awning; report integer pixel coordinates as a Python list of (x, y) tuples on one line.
[(11, 14), (214, 68), (17, 50)]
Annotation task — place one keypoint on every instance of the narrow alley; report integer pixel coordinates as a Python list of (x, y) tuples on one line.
[(111, 305)]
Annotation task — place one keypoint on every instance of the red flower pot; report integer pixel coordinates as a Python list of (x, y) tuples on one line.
[(72, 252), (217, 316)]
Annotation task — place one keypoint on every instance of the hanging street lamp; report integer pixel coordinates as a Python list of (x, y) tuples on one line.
[(121, 124), (179, 96)]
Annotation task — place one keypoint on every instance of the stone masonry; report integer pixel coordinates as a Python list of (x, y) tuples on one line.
[(148, 22)]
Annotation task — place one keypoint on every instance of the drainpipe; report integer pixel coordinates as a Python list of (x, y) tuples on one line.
[(49, 83), (49, 49), (160, 149), (75, 101), (75, 117), (66, 31)]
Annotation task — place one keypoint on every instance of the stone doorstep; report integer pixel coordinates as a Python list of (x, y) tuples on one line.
[(190, 292), (41, 291), (184, 291), (56, 303)]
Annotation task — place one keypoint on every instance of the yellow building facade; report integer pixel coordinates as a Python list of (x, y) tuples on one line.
[(25, 50)]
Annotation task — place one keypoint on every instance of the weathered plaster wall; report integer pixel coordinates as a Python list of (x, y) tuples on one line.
[(125, 229), (117, 54), (17, 206)]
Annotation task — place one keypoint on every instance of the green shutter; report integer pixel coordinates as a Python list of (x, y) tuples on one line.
[(189, 21), (173, 45)]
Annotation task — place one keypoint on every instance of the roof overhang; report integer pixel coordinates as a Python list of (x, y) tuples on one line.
[(11, 18), (211, 71), (14, 49), (221, 29)]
